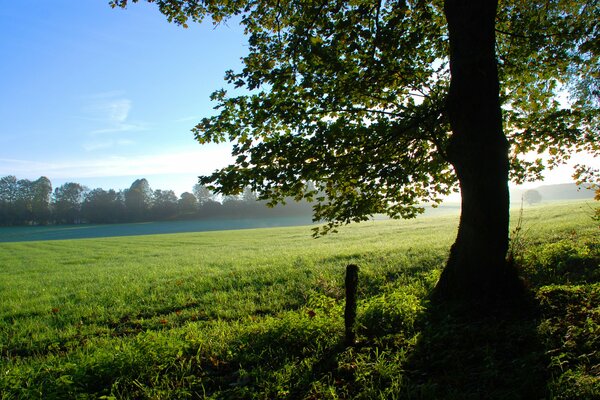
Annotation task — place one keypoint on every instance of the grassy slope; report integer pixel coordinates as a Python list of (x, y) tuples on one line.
[(258, 314)]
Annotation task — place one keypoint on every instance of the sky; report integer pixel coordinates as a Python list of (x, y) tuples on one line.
[(104, 96)]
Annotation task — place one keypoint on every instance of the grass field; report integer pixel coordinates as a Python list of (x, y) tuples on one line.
[(257, 313), (86, 231)]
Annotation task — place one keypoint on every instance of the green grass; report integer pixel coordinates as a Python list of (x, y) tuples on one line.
[(86, 231), (259, 314)]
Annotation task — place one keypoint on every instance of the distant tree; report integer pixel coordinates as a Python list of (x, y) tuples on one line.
[(164, 204), (250, 205), (138, 200), (532, 196), (187, 203), (210, 209), (203, 194), (23, 210), (249, 195), (231, 198), (8, 197), (8, 189), (23, 201), (232, 205), (67, 202), (42, 196), (101, 206)]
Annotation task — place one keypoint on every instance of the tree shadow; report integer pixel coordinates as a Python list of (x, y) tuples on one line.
[(464, 355)]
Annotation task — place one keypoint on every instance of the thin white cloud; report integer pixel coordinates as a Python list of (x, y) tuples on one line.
[(106, 144), (109, 94), (198, 162), (109, 111), (118, 110), (116, 128), (19, 164), (105, 109), (93, 146), (124, 142)]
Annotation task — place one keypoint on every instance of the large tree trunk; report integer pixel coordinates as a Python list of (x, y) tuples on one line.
[(477, 270)]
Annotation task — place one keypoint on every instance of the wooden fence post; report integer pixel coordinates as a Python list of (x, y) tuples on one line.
[(350, 311)]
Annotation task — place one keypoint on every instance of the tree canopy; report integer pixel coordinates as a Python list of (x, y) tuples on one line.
[(380, 106), (351, 95), (25, 202)]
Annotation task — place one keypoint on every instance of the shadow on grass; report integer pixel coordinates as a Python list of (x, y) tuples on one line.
[(408, 348), (462, 356), (446, 356)]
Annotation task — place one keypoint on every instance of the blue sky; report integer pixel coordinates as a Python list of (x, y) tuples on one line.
[(104, 96)]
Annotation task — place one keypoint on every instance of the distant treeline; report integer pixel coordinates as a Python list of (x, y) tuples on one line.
[(25, 202)]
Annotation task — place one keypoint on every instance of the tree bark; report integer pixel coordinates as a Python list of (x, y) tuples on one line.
[(476, 270)]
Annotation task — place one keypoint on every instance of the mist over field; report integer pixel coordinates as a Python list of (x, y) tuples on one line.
[(83, 231), (254, 217)]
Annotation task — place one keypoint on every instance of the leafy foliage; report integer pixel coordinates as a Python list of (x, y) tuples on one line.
[(351, 98), (571, 330), (67, 202), (590, 177), (23, 202), (565, 261)]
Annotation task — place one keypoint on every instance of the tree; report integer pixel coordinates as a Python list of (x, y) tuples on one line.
[(248, 195), (532, 196), (23, 206), (188, 204), (589, 178), (42, 195), (164, 204), (23, 201), (8, 189), (67, 201), (8, 197), (138, 200), (203, 194), (387, 105), (231, 199), (101, 206)]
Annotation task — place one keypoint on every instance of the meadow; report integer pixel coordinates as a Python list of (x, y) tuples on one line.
[(88, 231), (258, 313)]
